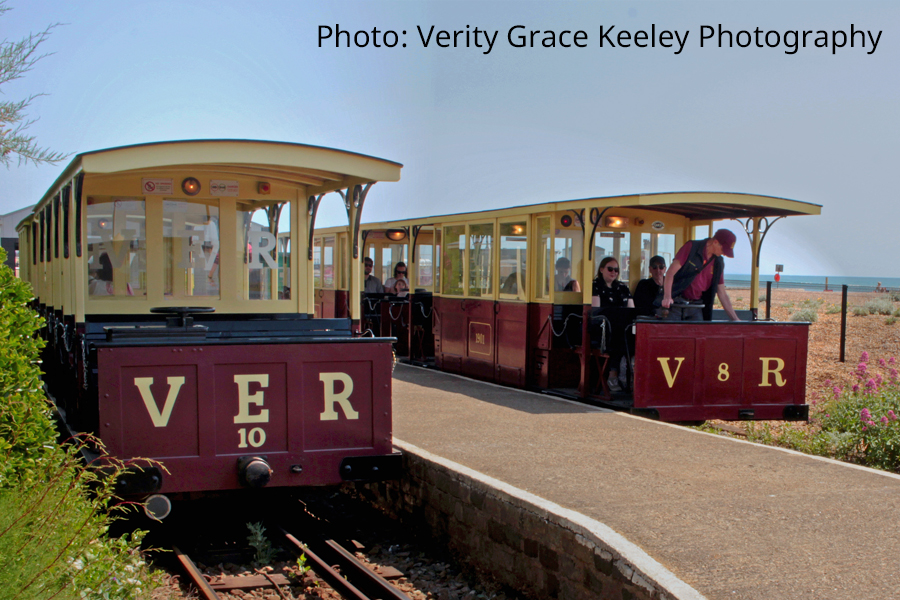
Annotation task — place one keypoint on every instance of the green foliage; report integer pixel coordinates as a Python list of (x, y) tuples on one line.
[(25, 426), (265, 553), (879, 306), (805, 314), (53, 513), (833, 309), (890, 320), (53, 537), (860, 311), (17, 58), (788, 305), (896, 313), (857, 422), (302, 567)]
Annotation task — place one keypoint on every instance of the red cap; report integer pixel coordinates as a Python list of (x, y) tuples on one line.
[(727, 239)]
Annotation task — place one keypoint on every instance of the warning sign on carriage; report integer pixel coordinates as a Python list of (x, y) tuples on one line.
[(157, 186), (223, 187)]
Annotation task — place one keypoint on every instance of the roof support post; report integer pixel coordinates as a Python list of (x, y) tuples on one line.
[(756, 229)]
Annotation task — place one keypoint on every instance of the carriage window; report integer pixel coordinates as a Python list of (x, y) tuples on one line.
[(317, 263), (544, 260), (615, 244), (567, 259), (191, 243), (656, 244), (436, 270), (424, 263), (328, 262), (452, 259), (117, 247), (513, 259), (390, 256), (481, 238), (265, 270)]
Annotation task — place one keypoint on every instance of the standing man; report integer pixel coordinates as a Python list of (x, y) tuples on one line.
[(698, 273), (371, 284)]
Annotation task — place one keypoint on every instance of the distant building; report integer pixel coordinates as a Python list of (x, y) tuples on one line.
[(9, 238)]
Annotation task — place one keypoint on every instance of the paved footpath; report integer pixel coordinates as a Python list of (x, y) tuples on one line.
[(730, 518)]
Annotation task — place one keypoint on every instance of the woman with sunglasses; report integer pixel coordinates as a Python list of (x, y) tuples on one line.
[(398, 284), (649, 289), (609, 291)]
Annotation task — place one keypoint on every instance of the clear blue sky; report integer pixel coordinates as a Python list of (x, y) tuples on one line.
[(515, 126)]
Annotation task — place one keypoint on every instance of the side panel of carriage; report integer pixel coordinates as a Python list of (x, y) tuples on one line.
[(199, 409), (717, 370)]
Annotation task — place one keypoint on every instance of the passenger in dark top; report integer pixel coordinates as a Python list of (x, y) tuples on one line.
[(609, 291), (647, 290)]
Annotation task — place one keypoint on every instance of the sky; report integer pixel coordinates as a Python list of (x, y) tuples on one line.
[(478, 127)]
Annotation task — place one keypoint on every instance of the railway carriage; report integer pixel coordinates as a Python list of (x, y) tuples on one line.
[(177, 283), (494, 313)]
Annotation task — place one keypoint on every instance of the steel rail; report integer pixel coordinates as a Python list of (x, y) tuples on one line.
[(386, 589), (196, 577), (324, 570)]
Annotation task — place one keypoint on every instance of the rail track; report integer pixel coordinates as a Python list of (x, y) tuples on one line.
[(330, 561)]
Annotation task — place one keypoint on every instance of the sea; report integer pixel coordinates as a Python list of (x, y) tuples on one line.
[(818, 283)]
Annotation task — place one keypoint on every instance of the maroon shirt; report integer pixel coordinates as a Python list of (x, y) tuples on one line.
[(701, 282)]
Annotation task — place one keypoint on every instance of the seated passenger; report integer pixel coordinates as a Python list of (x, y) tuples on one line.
[(372, 285), (609, 291), (398, 284), (564, 281), (510, 284), (101, 283), (649, 289)]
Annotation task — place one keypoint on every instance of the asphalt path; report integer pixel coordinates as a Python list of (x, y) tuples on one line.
[(730, 518)]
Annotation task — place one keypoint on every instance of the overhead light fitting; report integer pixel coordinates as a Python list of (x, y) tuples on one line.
[(617, 222), (190, 186), (395, 234)]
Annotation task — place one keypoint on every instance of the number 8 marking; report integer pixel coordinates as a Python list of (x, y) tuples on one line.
[(723, 372)]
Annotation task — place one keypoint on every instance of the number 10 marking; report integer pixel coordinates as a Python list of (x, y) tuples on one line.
[(257, 437)]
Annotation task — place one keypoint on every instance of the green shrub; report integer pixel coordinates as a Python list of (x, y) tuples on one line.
[(53, 541), (805, 314), (879, 306), (857, 422), (833, 309), (896, 313), (860, 311), (890, 320)]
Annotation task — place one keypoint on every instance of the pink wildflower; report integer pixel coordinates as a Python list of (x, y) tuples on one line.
[(891, 415), (879, 379), (864, 427), (855, 387), (827, 382), (884, 420), (865, 415), (881, 362), (870, 384), (861, 368), (864, 357), (892, 360), (894, 373)]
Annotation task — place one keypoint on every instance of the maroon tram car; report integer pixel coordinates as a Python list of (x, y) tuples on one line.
[(484, 284), (181, 319)]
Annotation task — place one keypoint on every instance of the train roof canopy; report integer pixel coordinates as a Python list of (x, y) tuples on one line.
[(696, 206), (321, 169)]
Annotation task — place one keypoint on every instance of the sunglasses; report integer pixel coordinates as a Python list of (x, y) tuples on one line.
[(401, 272), (657, 266), (612, 269)]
